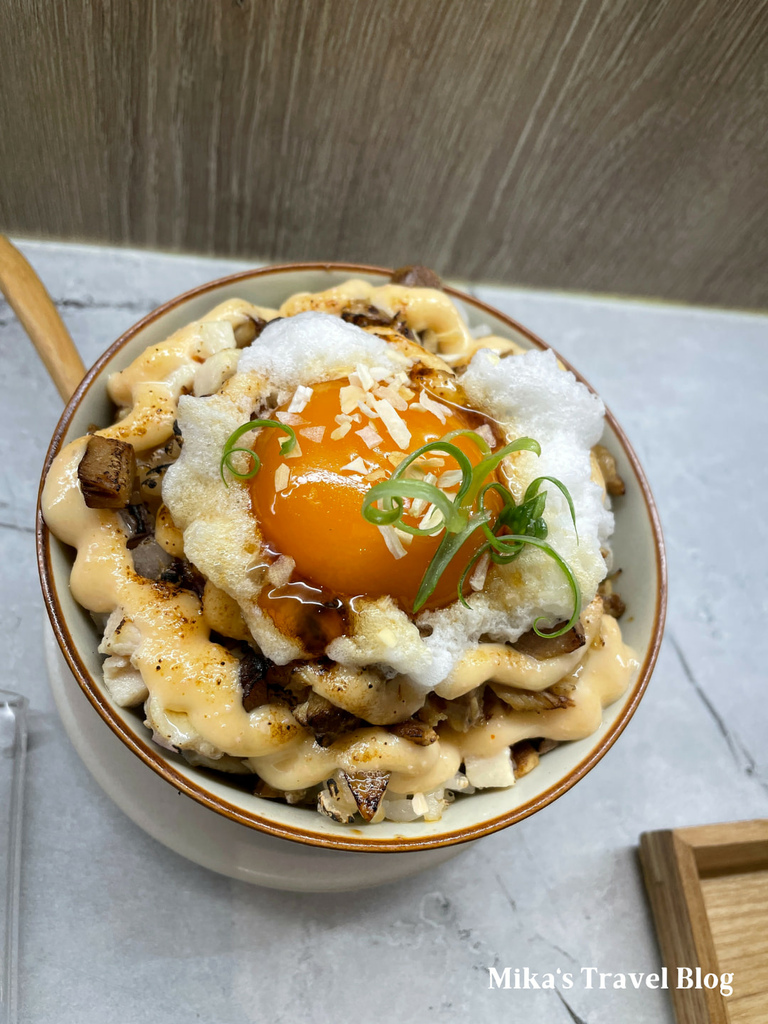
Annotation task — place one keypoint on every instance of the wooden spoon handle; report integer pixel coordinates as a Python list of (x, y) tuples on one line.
[(39, 317)]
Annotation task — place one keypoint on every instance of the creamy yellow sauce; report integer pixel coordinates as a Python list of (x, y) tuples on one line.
[(188, 675), (601, 678), (178, 663)]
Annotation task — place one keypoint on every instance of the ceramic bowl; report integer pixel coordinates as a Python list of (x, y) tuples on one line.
[(638, 549)]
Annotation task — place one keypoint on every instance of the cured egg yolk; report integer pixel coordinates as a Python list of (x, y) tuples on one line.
[(315, 518)]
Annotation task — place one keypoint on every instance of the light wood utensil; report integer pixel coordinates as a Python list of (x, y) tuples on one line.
[(32, 304)]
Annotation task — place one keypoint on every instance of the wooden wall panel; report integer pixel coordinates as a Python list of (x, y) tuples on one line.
[(612, 145)]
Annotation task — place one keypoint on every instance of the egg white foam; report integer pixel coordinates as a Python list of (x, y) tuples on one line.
[(532, 397), (311, 348)]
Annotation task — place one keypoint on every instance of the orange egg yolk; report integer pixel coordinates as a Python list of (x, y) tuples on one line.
[(316, 518)]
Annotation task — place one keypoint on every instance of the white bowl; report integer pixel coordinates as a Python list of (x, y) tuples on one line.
[(638, 549)]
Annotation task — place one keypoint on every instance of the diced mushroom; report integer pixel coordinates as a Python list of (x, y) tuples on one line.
[(253, 679), (367, 788), (612, 603), (182, 573), (106, 472), (416, 731), (322, 717), (433, 711), (466, 711), (543, 647), (150, 560), (416, 276), (364, 315), (138, 522), (524, 757), (557, 696), (249, 330), (613, 482)]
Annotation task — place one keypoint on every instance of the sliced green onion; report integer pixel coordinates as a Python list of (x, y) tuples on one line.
[(449, 449), (448, 547), (480, 441), (468, 569), (465, 512), (230, 448), (533, 489), (392, 492), (567, 572), (489, 464)]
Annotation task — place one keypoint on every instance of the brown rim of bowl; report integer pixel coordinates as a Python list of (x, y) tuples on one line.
[(153, 758)]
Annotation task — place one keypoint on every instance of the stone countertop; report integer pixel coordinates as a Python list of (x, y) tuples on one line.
[(117, 927)]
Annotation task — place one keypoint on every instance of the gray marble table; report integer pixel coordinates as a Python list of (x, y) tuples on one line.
[(117, 928)]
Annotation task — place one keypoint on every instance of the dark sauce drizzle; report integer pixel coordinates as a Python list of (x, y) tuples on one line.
[(311, 614)]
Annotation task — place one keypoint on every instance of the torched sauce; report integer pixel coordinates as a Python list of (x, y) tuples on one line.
[(196, 681)]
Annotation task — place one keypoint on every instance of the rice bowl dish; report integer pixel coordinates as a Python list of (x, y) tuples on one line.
[(268, 628)]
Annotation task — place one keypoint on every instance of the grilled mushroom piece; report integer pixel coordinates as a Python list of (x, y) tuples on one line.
[(433, 711), (253, 679), (367, 788), (362, 314), (416, 276), (557, 696), (416, 731), (612, 603), (322, 717), (106, 472), (139, 522), (543, 647), (185, 575), (150, 560), (249, 330), (613, 482), (466, 711), (524, 757)]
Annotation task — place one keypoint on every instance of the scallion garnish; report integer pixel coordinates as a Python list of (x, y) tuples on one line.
[(507, 531), (230, 448)]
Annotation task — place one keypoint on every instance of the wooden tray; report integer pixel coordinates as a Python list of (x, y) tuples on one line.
[(708, 888)]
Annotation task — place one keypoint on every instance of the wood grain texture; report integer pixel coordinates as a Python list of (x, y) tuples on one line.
[(737, 907), (672, 882), (611, 145), (27, 297), (708, 889)]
